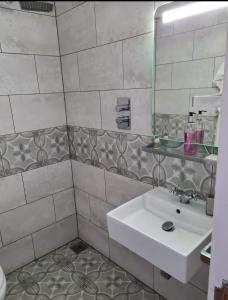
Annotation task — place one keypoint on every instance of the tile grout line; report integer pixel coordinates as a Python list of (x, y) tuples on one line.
[(78, 73), (122, 60), (11, 110), (80, 4), (95, 19), (65, 106), (37, 78), (24, 188)]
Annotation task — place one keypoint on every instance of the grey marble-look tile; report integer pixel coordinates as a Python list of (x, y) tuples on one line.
[(120, 189), (70, 72), (28, 33), (16, 254), (49, 74), (174, 48), (54, 236), (210, 41), (64, 204), (163, 77), (26, 219), (116, 20), (138, 61), (93, 235), (12, 192), (83, 109), (77, 29), (63, 6), (31, 112), (47, 180), (83, 203), (18, 74), (101, 68), (6, 121), (89, 179), (98, 211), (193, 74)]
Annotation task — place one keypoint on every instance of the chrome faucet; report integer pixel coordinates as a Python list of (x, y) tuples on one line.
[(185, 197)]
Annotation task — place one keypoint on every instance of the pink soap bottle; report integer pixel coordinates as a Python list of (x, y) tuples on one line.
[(200, 128), (190, 147)]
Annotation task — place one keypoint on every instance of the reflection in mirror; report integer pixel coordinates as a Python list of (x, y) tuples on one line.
[(189, 66)]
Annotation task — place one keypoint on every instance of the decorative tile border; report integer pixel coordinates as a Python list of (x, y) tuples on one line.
[(20, 152), (173, 125), (122, 153)]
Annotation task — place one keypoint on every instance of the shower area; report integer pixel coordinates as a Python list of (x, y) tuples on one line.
[(63, 163)]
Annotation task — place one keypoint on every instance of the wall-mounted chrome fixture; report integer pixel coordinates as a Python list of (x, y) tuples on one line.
[(123, 110)]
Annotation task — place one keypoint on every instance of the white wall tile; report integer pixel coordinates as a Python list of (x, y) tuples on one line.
[(31, 112), (16, 254), (141, 110), (131, 262), (120, 189), (193, 74), (26, 219), (55, 236), (64, 204), (83, 203), (18, 74), (218, 62), (28, 33), (12, 192), (83, 109), (63, 6), (116, 20), (49, 74), (6, 121), (98, 210), (93, 235), (138, 61), (70, 72), (89, 179), (196, 22), (210, 41), (175, 290), (163, 77), (16, 5), (172, 102), (174, 48), (77, 29), (47, 180), (101, 68)]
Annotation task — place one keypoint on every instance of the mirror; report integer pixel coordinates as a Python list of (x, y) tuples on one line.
[(189, 67)]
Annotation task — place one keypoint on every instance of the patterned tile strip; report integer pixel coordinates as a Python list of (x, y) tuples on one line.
[(116, 152), (21, 152), (122, 153)]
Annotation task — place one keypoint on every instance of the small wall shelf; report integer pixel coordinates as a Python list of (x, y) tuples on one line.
[(175, 148)]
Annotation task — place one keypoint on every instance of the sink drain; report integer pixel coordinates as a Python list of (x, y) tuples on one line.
[(168, 226)]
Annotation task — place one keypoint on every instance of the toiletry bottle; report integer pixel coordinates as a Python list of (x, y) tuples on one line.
[(200, 128), (190, 136)]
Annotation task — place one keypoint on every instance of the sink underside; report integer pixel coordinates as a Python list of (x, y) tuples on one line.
[(138, 226)]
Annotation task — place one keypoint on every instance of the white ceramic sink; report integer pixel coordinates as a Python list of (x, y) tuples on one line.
[(138, 226)]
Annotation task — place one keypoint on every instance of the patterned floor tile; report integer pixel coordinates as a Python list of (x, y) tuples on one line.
[(64, 275)]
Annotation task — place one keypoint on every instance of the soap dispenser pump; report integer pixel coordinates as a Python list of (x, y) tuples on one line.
[(200, 127), (190, 136)]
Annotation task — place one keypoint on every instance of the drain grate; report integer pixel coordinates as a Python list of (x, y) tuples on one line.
[(78, 247), (168, 226)]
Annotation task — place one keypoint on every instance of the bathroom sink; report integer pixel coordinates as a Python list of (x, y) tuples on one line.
[(138, 226)]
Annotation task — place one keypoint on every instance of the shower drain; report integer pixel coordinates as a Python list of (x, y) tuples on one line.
[(168, 226)]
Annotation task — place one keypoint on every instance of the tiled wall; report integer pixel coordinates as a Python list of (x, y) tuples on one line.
[(106, 52), (189, 53), (37, 208)]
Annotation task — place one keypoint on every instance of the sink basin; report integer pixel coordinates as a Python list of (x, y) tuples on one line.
[(138, 226)]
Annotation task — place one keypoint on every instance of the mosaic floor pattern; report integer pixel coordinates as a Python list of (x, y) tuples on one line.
[(65, 275)]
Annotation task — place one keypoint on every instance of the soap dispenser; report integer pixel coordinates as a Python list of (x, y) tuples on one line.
[(190, 136), (200, 127)]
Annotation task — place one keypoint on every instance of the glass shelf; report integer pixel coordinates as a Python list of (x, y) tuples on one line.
[(175, 148)]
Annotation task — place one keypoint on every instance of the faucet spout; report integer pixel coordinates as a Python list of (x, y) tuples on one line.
[(185, 197)]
